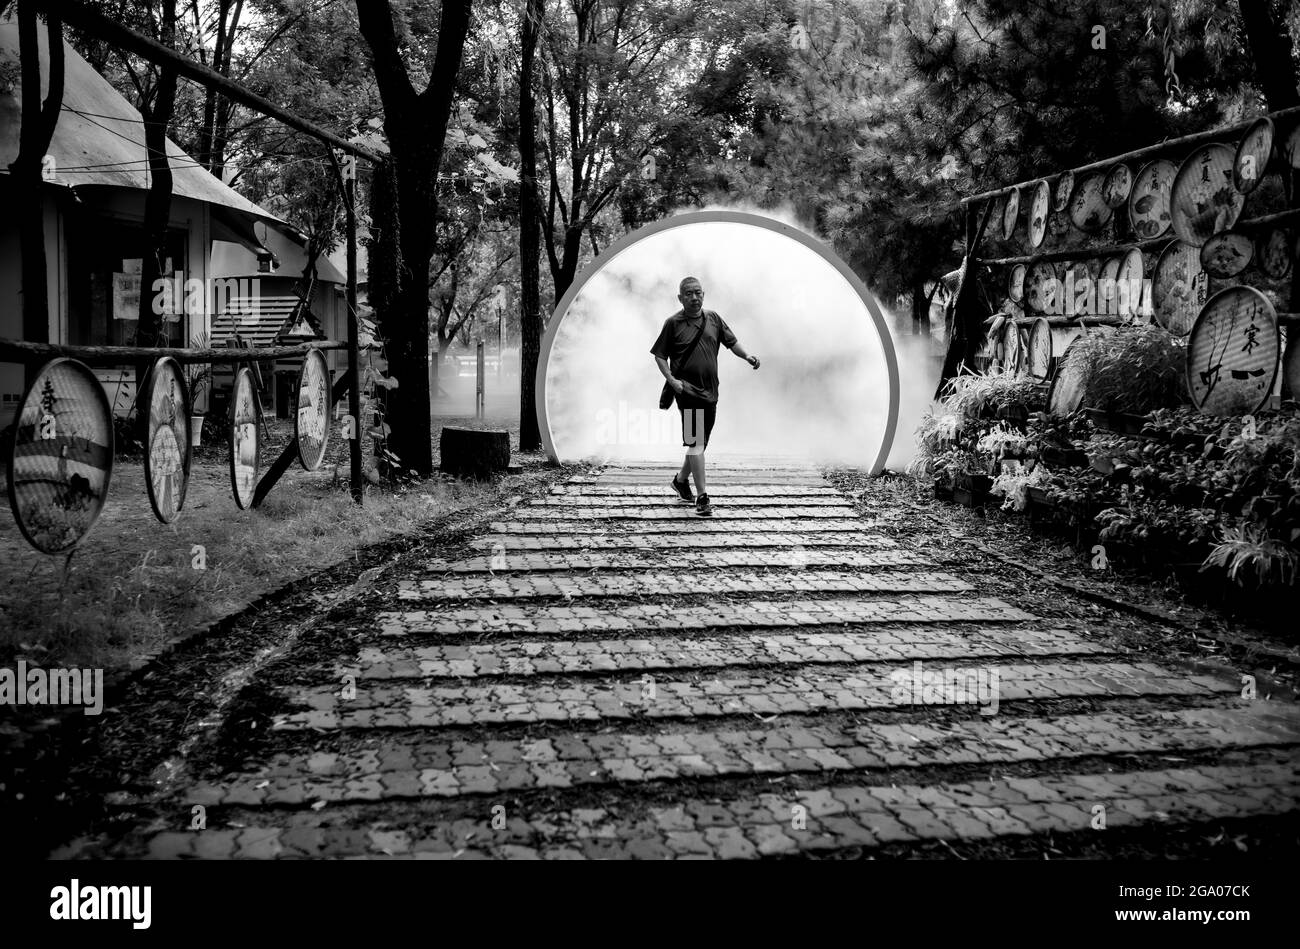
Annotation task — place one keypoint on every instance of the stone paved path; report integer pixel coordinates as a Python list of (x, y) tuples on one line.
[(607, 675)]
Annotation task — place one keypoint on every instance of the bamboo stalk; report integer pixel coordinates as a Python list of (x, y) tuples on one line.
[(1055, 321), (25, 352), (1085, 253), (1195, 138)]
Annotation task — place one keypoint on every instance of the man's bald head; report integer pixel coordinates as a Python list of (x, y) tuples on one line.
[(691, 295)]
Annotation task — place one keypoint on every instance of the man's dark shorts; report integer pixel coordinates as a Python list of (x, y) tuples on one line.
[(698, 416)]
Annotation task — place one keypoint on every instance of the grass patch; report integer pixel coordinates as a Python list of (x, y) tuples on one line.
[(134, 584)]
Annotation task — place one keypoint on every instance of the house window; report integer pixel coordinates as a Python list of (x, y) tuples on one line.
[(105, 258)]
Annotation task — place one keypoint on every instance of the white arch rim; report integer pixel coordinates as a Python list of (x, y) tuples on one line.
[(733, 217)]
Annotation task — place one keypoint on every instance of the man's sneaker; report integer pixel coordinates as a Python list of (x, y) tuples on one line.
[(683, 489), (702, 506)]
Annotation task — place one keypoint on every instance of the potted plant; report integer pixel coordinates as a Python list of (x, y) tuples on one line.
[(198, 379)]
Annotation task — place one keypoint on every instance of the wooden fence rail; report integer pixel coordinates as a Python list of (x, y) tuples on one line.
[(18, 350), (1170, 144)]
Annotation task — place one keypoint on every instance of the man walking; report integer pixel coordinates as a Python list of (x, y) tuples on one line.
[(687, 355)]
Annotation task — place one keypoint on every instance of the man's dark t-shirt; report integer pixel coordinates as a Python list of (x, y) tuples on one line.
[(700, 372)]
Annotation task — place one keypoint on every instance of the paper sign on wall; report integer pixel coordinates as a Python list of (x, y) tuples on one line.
[(126, 296)]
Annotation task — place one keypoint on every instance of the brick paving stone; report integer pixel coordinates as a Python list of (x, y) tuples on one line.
[(729, 526), (563, 700), (1000, 822), (778, 750), (772, 536), (259, 843), (684, 842), (667, 583), (657, 494), (755, 614), (669, 511), (729, 843), (648, 849), (719, 558), (886, 828), (383, 706), (665, 500), (769, 839), (706, 814)]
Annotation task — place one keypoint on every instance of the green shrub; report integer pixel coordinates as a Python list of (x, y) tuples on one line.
[(1137, 369)]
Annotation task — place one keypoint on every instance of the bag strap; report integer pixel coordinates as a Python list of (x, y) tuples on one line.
[(690, 350)]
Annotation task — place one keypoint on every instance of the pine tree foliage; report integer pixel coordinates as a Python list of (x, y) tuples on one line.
[(899, 108)]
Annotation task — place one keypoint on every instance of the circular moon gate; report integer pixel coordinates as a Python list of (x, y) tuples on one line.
[(730, 217)]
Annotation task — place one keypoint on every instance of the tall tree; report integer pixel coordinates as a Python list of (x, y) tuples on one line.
[(1271, 47), (415, 123), (156, 111), (38, 123), (530, 223), (614, 83)]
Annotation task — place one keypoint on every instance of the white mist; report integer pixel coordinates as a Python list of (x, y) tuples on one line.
[(820, 394)]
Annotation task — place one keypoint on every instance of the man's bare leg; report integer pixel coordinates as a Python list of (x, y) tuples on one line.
[(685, 474), (696, 464)]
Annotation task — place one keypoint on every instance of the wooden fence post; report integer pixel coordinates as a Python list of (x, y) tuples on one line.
[(478, 383)]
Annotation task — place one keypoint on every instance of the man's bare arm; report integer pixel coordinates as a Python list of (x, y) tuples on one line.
[(668, 373), (740, 351)]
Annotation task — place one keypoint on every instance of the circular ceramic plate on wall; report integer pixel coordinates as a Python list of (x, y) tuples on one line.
[(993, 343), (1148, 202), (1042, 289), (167, 448), (1010, 213), (60, 456), (1232, 355), (1039, 356), (1291, 361), (1273, 253), (1227, 254), (1129, 285), (1039, 208), (1250, 164), (1016, 282), (1204, 200), (1117, 185), (1064, 191), (245, 450), (1108, 286), (1088, 209), (1177, 287), (1013, 350), (311, 424), (1291, 150), (1066, 393), (1077, 288)]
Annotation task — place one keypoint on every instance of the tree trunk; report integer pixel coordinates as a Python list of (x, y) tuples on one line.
[(158, 201), (473, 452), (920, 310), (530, 247), (416, 125), (38, 123), (563, 278), (967, 318), (406, 326), (1270, 47)]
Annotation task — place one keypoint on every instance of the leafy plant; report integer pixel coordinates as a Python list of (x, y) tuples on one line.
[(1014, 488), (956, 424), (198, 376), (969, 393), (1137, 369), (1001, 440), (1246, 547)]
